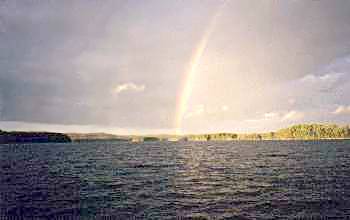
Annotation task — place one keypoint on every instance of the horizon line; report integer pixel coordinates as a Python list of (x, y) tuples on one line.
[(170, 133)]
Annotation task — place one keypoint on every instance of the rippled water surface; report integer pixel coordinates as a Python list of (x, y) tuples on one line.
[(161, 180)]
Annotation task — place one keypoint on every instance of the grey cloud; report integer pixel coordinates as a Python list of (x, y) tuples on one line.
[(318, 92), (59, 60)]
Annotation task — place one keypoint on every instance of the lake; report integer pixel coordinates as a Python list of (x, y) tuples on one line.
[(168, 180)]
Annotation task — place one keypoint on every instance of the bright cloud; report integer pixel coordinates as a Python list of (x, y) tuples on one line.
[(342, 110), (128, 87), (323, 82), (331, 77), (197, 111), (201, 110), (224, 108), (271, 115), (292, 116)]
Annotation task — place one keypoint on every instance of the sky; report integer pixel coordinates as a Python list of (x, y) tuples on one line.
[(165, 66)]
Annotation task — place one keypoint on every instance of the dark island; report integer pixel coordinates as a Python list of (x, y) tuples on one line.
[(32, 137)]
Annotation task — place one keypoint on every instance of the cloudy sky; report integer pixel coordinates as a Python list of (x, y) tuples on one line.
[(120, 66)]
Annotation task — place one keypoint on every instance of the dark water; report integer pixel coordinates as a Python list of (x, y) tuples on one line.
[(223, 180)]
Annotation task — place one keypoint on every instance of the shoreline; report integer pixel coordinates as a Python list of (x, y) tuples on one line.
[(301, 132)]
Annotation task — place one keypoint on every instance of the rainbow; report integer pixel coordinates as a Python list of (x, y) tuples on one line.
[(191, 73)]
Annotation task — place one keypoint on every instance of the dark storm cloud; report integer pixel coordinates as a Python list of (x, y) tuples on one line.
[(37, 44)]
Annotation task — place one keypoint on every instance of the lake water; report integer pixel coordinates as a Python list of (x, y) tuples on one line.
[(161, 180)]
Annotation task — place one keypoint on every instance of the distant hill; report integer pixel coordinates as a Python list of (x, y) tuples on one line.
[(88, 137), (32, 137), (78, 137)]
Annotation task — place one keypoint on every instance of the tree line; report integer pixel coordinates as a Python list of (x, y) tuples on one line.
[(302, 132)]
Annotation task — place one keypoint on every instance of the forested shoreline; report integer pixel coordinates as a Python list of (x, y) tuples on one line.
[(296, 132)]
